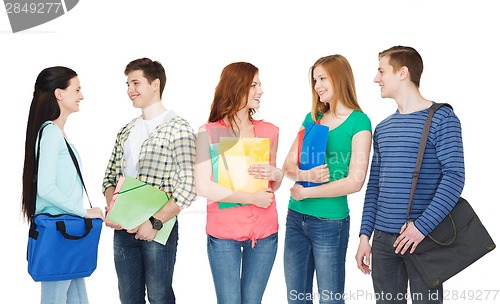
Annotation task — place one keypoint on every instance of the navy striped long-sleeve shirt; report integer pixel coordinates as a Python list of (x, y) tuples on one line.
[(395, 146)]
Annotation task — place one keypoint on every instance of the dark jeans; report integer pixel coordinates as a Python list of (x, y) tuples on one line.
[(391, 273), (145, 266)]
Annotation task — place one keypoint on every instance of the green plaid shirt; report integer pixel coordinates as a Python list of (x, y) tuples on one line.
[(166, 160)]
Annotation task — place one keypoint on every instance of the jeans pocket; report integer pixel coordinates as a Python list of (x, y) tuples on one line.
[(376, 234)]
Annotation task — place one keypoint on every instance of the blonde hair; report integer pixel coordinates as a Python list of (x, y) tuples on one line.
[(340, 74)]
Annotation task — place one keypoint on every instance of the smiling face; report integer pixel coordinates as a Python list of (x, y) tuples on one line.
[(140, 91), (254, 94), (387, 78), (69, 98), (322, 84)]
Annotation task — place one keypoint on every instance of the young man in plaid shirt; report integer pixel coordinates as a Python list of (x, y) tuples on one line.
[(157, 148)]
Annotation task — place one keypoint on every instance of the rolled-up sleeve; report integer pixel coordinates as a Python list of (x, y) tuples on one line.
[(110, 175), (184, 152)]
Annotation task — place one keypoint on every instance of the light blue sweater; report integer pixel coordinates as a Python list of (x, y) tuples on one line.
[(59, 187)]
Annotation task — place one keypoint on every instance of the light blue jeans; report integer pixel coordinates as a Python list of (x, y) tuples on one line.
[(64, 292), (240, 272), (315, 244)]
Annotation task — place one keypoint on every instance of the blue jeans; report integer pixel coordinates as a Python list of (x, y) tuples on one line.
[(240, 272), (145, 266), (64, 292), (391, 272), (315, 244)]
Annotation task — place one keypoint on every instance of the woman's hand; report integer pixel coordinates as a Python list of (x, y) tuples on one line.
[(262, 198), (94, 212), (319, 174), (297, 192), (265, 171)]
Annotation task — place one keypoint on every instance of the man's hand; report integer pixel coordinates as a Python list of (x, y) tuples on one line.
[(409, 237), (144, 232), (363, 254), (112, 225)]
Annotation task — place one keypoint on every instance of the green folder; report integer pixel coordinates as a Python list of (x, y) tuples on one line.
[(163, 234), (214, 154), (134, 202)]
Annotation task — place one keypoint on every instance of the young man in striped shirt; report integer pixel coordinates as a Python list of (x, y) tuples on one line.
[(395, 147)]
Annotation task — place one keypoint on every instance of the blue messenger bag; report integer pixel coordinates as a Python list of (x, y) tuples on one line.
[(62, 247)]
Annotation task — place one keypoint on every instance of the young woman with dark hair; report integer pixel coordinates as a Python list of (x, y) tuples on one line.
[(56, 188)]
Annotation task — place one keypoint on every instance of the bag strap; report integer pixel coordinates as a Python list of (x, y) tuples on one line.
[(73, 158), (420, 155), (35, 177), (75, 161), (61, 227)]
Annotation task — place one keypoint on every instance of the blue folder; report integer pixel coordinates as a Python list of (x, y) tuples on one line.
[(312, 148)]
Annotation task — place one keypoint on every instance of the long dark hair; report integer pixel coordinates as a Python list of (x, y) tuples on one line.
[(44, 107), (234, 85)]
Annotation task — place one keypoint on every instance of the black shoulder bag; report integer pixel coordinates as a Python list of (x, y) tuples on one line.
[(457, 242)]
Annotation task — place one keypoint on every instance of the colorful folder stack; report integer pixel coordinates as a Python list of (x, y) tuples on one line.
[(232, 157)]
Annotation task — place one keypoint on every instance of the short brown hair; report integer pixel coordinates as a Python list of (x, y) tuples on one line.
[(150, 69), (400, 56)]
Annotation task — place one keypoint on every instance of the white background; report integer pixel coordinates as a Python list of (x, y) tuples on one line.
[(194, 40)]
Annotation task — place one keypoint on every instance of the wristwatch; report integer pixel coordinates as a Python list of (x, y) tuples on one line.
[(157, 224)]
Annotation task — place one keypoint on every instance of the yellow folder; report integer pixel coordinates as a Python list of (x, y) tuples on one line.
[(236, 156)]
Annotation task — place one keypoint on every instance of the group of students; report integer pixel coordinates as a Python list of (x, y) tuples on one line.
[(161, 149)]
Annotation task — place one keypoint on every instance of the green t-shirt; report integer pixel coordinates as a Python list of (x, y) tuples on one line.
[(338, 157)]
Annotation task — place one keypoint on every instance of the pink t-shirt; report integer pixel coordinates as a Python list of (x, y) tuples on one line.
[(246, 222)]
